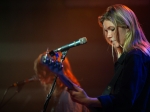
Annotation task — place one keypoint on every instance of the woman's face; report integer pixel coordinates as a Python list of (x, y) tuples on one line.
[(114, 36)]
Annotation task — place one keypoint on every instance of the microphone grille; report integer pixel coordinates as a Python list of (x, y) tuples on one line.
[(83, 40)]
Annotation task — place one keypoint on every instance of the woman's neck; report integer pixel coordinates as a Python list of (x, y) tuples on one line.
[(119, 51)]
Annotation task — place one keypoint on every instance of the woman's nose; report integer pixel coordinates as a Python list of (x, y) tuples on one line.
[(109, 34)]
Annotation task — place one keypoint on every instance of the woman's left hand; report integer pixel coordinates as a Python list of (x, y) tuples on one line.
[(78, 95)]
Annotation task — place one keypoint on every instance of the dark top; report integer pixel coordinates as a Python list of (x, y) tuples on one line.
[(131, 92)]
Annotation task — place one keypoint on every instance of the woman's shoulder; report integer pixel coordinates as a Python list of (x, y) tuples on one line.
[(135, 52), (138, 54)]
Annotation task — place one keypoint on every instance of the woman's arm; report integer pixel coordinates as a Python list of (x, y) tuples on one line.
[(80, 96)]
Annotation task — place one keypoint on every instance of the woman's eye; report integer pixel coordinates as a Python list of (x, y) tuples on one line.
[(113, 29), (106, 31)]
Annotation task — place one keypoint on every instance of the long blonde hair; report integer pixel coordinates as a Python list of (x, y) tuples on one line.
[(122, 16)]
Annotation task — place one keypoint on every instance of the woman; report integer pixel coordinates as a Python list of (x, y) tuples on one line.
[(60, 100), (129, 90)]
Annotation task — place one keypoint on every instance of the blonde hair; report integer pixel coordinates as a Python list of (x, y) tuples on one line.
[(122, 16)]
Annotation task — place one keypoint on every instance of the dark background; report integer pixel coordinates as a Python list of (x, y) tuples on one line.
[(28, 27)]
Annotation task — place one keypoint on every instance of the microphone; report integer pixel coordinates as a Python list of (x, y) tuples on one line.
[(21, 83), (81, 41)]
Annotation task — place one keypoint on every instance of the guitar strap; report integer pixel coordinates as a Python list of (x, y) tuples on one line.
[(111, 85)]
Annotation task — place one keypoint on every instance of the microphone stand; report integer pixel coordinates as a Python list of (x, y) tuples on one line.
[(17, 91), (19, 86), (49, 95)]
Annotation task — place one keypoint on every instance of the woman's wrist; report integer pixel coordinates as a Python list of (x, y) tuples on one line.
[(93, 102)]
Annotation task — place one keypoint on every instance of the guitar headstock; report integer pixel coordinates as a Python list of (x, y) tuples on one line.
[(50, 56)]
